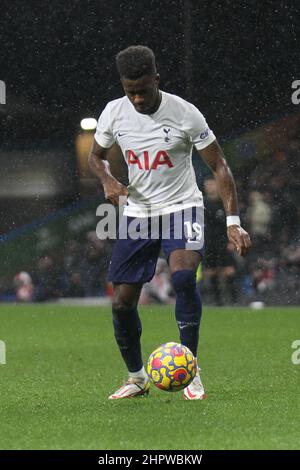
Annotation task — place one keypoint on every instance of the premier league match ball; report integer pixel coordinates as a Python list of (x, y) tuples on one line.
[(171, 367)]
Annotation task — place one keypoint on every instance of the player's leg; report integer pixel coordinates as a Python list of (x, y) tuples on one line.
[(128, 330), (228, 280), (216, 258), (183, 246), (216, 283), (184, 254), (188, 309), (133, 263), (127, 324)]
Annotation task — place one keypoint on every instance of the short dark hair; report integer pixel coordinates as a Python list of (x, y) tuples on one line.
[(135, 62)]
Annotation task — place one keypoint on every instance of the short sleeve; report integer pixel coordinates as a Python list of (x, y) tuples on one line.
[(197, 129), (103, 134)]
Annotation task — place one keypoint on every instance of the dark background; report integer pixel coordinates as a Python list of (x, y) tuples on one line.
[(234, 60)]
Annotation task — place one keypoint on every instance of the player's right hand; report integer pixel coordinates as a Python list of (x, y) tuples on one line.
[(113, 190), (240, 239)]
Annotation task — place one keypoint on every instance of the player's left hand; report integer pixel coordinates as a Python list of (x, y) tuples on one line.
[(240, 238)]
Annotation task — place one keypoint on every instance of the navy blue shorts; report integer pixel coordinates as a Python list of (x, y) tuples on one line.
[(140, 240)]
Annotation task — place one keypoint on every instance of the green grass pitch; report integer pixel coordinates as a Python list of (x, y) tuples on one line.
[(62, 363)]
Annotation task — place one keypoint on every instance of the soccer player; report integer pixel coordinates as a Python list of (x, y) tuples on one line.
[(220, 264), (156, 132)]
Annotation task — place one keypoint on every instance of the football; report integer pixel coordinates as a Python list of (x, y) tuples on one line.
[(171, 367)]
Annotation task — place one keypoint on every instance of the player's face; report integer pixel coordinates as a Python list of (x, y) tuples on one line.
[(143, 93)]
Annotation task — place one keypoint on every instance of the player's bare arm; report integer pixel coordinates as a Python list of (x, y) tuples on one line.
[(214, 158), (99, 165)]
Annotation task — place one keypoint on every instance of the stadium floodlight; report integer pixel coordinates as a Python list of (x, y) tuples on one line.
[(88, 124)]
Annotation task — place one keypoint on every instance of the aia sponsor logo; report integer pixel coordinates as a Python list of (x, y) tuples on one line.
[(143, 160)]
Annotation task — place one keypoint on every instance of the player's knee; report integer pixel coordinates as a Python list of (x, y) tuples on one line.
[(184, 281), (126, 321), (121, 306), (124, 300)]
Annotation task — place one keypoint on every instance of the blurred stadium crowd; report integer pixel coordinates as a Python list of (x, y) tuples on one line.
[(269, 197)]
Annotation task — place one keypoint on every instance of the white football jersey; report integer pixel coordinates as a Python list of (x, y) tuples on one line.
[(158, 151)]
